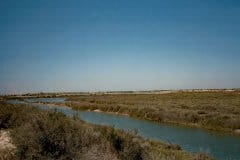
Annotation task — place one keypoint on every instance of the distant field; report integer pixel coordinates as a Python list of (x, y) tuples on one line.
[(214, 110)]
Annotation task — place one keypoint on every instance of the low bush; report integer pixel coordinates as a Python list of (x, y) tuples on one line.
[(51, 135), (128, 145), (10, 116)]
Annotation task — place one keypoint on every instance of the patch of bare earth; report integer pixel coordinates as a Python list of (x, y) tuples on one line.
[(6, 147)]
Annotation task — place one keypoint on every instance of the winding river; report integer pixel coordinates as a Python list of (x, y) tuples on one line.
[(220, 146)]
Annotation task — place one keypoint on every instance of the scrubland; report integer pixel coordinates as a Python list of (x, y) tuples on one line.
[(39, 134), (212, 110)]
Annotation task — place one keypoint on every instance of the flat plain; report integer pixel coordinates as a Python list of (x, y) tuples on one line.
[(217, 110)]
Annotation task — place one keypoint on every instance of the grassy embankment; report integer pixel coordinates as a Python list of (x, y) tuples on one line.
[(219, 111), (51, 135)]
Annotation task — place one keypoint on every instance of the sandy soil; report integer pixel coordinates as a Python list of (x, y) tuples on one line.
[(5, 140)]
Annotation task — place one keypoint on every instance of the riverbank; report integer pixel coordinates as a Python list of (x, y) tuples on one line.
[(63, 137), (213, 110)]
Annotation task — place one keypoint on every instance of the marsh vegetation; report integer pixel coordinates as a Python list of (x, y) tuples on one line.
[(219, 111), (51, 135)]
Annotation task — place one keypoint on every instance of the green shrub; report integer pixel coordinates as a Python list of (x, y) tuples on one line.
[(51, 135), (10, 115), (128, 145)]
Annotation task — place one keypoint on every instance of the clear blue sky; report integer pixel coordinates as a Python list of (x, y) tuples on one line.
[(97, 45)]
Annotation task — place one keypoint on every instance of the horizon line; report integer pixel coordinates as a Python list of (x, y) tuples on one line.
[(117, 91)]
